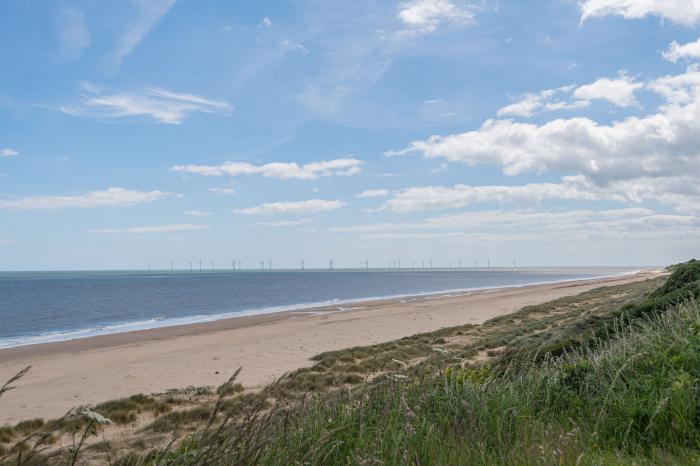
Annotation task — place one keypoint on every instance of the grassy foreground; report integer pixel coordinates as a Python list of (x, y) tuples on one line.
[(611, 376)]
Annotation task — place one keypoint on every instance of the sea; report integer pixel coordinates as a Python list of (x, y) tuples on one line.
[(39, 307)]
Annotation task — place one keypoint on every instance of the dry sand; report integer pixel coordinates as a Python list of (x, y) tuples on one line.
[(87, 371)]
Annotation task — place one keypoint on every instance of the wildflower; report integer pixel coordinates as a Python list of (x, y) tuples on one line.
[(400, 376), (440, 350), (397, 361), (93, 416)]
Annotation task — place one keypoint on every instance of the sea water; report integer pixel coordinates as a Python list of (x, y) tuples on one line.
[(37, 307)]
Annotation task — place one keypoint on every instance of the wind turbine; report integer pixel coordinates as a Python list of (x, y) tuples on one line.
[(302, 264), (171, 267), (330, 264)]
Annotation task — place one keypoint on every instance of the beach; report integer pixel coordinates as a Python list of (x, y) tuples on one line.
[(90, 370)]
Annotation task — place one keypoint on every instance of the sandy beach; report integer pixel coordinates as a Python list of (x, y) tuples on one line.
[(87, 371)]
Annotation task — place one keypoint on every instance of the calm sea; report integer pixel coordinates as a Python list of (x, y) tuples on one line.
[(38, 307)]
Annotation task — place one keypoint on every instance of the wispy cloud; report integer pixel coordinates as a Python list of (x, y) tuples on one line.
[(161, 105), (152, 229), (285, 223), (7, 152), (225, 191), (424, 16), (197, 213), (148, 13), (72, 34), (111, 197), (373, 193), (287, 45), (6, 241), (453, 197), (312, 206), (518, 225), (685, 12), (282, 170), (620, 91)]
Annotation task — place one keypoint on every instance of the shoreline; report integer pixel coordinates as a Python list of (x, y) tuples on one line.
[(90, 370), (107, 329)]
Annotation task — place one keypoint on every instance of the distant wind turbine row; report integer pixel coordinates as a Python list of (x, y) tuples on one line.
[(392, 264)]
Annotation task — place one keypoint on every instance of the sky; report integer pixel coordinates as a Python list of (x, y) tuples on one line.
[(556, 132)]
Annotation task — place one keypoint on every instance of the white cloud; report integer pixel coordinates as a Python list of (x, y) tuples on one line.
[(282, 170), (225, 191), (312, 206), (518, 225), (424, 16), (441, 197), (265, 22), (646, 158), (153, 229), (564, 105), (661, 144), (161, 105), (197, 213), (619, 91), (528, 106), (110, 197), (288, 46), (72, 34), (148, 13), (676, 51), (373, 193), (285, 223), (7, 152), (685, 12), (678, 89)]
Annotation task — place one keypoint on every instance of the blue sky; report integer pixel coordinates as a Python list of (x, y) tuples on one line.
[(552, 132)]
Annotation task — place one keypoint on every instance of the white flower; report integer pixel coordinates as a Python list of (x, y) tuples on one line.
[(95, 417)]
